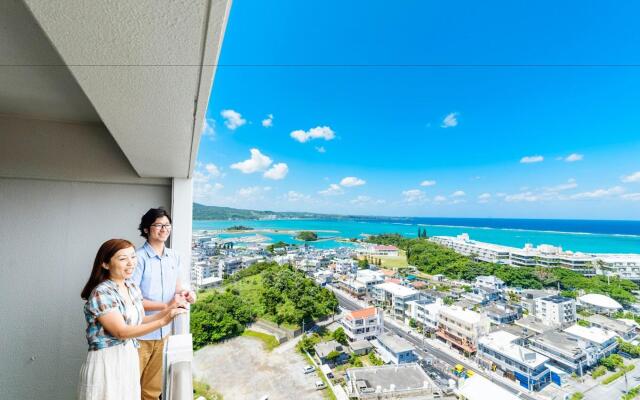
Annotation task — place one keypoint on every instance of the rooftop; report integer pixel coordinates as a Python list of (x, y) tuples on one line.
[(615, 325), (360, 345), (397, 290), (389, 378), (599, 300), (557, 299), (467, 316), (323, 349), (503, 342), (592, 334), (364, 313), (478, 387), (395, 343), (559, 340)]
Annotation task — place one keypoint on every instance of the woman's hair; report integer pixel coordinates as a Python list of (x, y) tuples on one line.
[(149, 218), (105, 254)]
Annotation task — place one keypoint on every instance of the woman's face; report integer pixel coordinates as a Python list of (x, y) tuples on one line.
[(122, 264)]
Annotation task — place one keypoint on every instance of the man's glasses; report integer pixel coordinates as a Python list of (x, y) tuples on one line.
[(160, 226)]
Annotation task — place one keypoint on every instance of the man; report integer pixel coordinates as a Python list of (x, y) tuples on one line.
[(158, 276)]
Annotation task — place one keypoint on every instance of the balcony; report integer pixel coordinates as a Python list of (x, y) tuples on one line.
[(456, 341)]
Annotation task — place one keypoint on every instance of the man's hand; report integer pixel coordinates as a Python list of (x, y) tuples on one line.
[(177, 301), (189, 296)]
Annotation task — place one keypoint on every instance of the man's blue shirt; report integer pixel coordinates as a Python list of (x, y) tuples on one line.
[(157, 277)]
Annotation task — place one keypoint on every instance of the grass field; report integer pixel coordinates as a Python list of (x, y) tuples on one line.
[(270, 342)]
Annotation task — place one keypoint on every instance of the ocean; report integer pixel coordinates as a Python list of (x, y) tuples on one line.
[(597, 236)]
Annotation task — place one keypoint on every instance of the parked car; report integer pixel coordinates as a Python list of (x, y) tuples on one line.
[(320, 385), (309, 369)]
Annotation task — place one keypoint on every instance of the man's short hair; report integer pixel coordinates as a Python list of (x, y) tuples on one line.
[(149, 218)]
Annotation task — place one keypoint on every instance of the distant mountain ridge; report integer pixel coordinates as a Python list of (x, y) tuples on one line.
[(203, 212)]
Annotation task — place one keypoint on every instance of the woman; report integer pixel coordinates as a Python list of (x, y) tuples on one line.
[(115, 317)]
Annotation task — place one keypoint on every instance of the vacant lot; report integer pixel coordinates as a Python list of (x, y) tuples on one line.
[(241, 369)]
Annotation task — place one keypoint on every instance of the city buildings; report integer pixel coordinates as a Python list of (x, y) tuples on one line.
[(486, 289), (503, 351), (555, 310), (599, 303), (389, 382), (462, 328), (394, 298), (567, 353), (626, 329), (626, 266), (425, 312), (394, 349), (365, 324)]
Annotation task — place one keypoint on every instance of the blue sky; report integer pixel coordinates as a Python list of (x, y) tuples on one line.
[(459, 109)]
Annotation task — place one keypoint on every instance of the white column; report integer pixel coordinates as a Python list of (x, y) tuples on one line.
[(181, 212)]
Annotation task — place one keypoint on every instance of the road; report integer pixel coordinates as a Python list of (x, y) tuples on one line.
[(422, 350)]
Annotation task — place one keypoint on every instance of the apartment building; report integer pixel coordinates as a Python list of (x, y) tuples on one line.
[(503, 351), (480, 251), (486, 289), (555, 310), (565, 352), (462, 328), (394, 298), (626, 329), (625, 266), (425, 312), (228, 266), (603, 340), (365, 324), (394, 350), (98, 124)]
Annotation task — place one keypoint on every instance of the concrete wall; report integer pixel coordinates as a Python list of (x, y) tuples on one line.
[(64, 189)]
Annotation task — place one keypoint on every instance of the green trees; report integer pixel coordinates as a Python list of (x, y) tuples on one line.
[(628, 348), (218, 316), (307, 236), (374, 359), (612, 362), (432, 258), (340, 336), (332, 356)]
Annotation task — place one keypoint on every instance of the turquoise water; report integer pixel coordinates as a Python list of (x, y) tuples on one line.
[(585, 242)]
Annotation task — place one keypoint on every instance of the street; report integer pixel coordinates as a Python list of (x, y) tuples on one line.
[(423, 349)]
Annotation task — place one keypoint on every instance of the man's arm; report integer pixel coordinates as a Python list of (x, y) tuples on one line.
[(188, 295)]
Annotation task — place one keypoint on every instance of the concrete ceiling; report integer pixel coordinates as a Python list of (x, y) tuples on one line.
[(145, 66)]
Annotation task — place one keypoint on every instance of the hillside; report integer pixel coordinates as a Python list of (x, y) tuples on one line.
[(202, 212)]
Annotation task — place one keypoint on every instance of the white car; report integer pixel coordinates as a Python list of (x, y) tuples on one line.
[(309, 369), (320, 385)]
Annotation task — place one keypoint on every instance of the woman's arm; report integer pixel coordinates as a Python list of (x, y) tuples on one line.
[(114, 323), (150, 305)]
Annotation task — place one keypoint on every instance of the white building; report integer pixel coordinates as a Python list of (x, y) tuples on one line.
[(378, 250), (502, 350), (102, 109), (365, 324), (425, 312), (394, 298), (480, 251), (462, 328), (369, 278), (604, 340), (625, 266), (228, 266), (555, 310), (599, 303)]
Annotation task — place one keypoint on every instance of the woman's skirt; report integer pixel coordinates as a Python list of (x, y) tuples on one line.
[(111, 374)]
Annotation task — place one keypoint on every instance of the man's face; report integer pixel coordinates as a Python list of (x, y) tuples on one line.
[(160, 229)]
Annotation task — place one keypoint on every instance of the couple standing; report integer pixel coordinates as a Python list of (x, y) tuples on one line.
[(131, 297)]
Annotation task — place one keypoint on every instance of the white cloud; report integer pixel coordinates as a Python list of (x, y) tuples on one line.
[(573, 157), (294, 196), (213, 170), (209, 128), (484, 198), (458, 201), (631, 196), (277, 172), (333, 190), (598, 193), (571, 184), (523, 196), (427, 183), (458, 193), (253, 191), (634, 177), (531, 159), (319, 132), (321, 149), (439, 199), (257, 162), (268, 122), (450, 121), (362, 200), (232, 119), (351, 181), (414, 196)]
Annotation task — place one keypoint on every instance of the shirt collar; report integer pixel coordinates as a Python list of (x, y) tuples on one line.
[(151, 252)]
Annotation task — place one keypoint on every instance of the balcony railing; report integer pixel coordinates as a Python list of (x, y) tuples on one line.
[(178, 379)]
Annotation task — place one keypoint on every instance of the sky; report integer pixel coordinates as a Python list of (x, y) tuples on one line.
[(506, 109)]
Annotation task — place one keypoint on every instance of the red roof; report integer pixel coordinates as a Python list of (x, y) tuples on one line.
[(393, 280), (364, 313), (383, 247), (388, 272)]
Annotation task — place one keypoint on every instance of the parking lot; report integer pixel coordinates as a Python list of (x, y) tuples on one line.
[(241, 369)]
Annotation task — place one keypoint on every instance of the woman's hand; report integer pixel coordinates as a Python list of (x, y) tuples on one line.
[(172, 313), (178, 301)]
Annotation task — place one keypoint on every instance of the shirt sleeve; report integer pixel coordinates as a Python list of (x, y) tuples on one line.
[(101, 302), (136, 278)]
